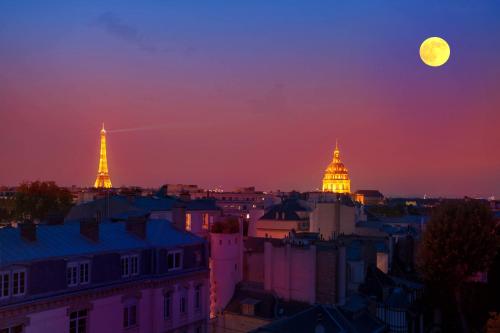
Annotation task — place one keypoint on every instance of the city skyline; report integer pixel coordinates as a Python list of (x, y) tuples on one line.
[(219, 98)]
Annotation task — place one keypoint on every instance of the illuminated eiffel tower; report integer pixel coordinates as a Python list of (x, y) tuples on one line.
[(103, 180)]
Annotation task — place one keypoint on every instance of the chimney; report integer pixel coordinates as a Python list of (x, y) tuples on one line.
[(89, 228), (179, 216), (136, 225), (28, 231)]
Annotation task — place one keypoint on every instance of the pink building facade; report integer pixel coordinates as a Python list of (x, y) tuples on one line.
[(135, 276)]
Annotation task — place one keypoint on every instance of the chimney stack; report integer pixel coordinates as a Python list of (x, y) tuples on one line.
[(28, 231), (179, 215), (89, 228), (136, 225)]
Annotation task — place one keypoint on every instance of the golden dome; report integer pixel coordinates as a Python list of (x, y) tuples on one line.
[(336, 177)]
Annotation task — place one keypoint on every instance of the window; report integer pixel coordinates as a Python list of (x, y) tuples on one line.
[(197, 297), (124, 265), (12, 329), (183, 304), (129, 265), (4, 284), (77, 273), (188, 221), (205, 221), (167, 304), (134, 265), (78, 321), (84, 272), (71, 274), (18, 283), (174, 260), (130, 316)]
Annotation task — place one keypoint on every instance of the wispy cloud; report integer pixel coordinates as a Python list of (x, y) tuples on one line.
[(115, 26)]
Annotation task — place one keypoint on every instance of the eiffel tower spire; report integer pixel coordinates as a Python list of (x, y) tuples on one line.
[(103, 180)]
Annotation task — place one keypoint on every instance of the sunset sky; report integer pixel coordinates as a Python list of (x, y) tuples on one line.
[(241, 93)]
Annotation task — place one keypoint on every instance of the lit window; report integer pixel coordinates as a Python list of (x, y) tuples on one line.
[(167, 305), (188, 221), (78, 321), (130, 316), (174, 260), (18, 283), (205, 221)]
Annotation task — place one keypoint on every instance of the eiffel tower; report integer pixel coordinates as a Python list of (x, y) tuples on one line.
[(103, 180)]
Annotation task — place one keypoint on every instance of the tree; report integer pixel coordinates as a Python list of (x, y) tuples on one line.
[(460, 240), (37, 200)]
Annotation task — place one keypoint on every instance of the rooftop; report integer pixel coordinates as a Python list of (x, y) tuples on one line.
[(66, 240)]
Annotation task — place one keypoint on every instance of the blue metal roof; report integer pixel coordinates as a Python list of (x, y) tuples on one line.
[(66, 240)]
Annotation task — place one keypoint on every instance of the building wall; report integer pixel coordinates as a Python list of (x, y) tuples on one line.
[(226, 268), (253, 267), (290, 272), (326, 278), (324, 219), (280, 228), (105, 309)]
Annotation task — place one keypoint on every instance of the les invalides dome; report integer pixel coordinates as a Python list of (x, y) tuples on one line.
[(336, 177)]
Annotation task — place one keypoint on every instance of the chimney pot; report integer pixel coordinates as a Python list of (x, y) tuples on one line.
[(28, 231), (89, 228), (136, 225), (179, 216)]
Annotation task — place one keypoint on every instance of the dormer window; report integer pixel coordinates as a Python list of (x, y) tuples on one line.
[(77, 273), (129, 265), (4, 284), (12, 283), (18, 282), (174, 260)]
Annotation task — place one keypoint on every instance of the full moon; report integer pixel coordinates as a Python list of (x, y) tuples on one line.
[(434, 51)]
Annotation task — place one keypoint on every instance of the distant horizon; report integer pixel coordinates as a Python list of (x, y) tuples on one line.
[(257, 189)]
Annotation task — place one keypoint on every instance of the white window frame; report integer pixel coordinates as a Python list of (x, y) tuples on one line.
[(72, 274), (3, 275), (124, 266), (176, 265), (134, 272), (77, 270), (127, 309), (128, 259), (23, 272), (78, 318)]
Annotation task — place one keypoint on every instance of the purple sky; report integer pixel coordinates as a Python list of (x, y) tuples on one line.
[(241, 93)]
